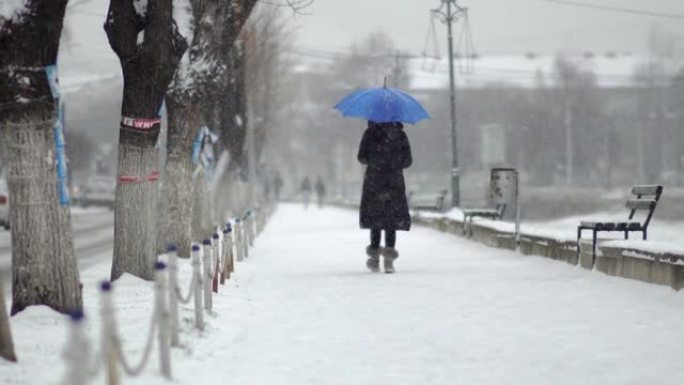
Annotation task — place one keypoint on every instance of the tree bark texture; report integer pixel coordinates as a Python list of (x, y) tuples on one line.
[(147, 68), (6, 343), (185, 99), (192, 102), (202, 214), (233, 112), (228, 93), (178, 191), (44, 267)]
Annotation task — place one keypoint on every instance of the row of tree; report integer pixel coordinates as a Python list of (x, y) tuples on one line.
[(188, 53)]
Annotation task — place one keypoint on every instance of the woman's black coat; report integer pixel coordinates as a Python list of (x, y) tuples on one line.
[(386, 151)]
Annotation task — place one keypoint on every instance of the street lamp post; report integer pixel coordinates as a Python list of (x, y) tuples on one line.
[(447, 12)]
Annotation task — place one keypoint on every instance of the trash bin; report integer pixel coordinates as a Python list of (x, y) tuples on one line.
[(503, 188)]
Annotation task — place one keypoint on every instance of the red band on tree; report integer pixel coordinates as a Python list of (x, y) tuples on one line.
[(130, 179)]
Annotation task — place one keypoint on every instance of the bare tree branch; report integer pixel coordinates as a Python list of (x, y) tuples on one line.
[(297, 6)]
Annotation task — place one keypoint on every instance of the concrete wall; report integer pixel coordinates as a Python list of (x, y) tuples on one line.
[(661, 269)]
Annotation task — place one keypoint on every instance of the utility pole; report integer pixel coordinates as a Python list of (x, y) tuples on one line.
[(569, 151), (447, 12)]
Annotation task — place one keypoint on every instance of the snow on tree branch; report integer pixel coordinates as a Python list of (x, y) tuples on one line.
[(11, 8)]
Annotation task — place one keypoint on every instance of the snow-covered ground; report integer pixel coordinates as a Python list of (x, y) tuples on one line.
[(663, 235), (303, 310)]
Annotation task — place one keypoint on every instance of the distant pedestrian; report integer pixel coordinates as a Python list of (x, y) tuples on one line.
[(385, 150), (277, 185), (305, 189), (320, 191)]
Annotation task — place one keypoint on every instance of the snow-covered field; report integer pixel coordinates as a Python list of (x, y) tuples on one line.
[(303, 310)]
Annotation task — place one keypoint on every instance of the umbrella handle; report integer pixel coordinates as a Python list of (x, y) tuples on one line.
[(384, 84)]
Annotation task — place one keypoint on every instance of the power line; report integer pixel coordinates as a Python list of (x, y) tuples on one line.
[(617, 9)]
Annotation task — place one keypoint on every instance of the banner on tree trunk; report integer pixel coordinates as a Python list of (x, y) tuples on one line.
[(203, 152), (60, 157), (140, 124), (58, 132), (51, 72)]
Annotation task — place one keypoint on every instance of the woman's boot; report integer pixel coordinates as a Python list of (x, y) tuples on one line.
[(389, 254), (373, 262)]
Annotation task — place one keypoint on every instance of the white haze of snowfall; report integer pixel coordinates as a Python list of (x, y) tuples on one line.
[(85, 56), (303, 310)]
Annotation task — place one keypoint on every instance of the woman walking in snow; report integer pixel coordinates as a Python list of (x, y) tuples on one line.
[(386, 152)]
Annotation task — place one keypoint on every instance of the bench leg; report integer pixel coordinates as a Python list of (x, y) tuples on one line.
[(579, 235), (626, 234), (593, 248), (465, 224), (644, 234)]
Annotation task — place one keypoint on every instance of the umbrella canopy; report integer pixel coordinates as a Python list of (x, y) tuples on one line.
[(382, 105)]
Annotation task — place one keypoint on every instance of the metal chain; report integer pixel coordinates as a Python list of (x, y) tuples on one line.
[(183, 299), (95, 368), (137, 370)]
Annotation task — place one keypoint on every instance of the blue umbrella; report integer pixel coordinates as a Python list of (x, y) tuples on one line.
[(382, 105)]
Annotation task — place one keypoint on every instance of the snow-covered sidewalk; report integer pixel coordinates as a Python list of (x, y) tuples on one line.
[(303, 310)]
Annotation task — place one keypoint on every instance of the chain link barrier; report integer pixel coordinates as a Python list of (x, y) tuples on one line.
[(217, 257)]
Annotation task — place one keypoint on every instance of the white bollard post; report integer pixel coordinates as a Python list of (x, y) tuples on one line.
[(260, 216), (206, 260), (237, 233), (227, 254), (173, 297), (216, 261), (255, 213), (244, 236), (77, 352), (161, 294), (197, 274), (108, 349), (251, 227)]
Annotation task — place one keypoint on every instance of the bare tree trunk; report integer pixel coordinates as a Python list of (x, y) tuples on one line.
[(6, 344), (233, 112), (147, 68), (178, 191), (229, 91), (195, 95), (202, 217), (44, 268)]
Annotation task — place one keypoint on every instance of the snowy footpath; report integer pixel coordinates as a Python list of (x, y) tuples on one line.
[(304, 310)]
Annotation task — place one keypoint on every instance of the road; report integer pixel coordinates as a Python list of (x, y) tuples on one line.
[(93, 235)]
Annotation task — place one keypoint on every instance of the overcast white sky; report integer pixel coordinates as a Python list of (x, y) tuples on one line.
[(499, 26)]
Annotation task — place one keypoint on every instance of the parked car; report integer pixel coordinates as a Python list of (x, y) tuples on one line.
[(97, 191), (4, 204)]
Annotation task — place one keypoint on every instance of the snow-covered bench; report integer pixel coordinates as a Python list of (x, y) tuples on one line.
[(427, 201), (646, 200), (469, 214)]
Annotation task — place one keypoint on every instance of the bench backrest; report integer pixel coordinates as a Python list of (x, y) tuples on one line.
[(427, 200), (501, 208), (646, 199), (440, 199)]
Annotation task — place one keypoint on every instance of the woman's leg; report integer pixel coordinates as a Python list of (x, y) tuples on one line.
[(375, 237), (389, 252), (390, 238), (373, 251)]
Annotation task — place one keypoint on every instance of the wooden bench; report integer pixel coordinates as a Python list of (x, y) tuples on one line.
[(494, 214), (427, 201), (646, 200)]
